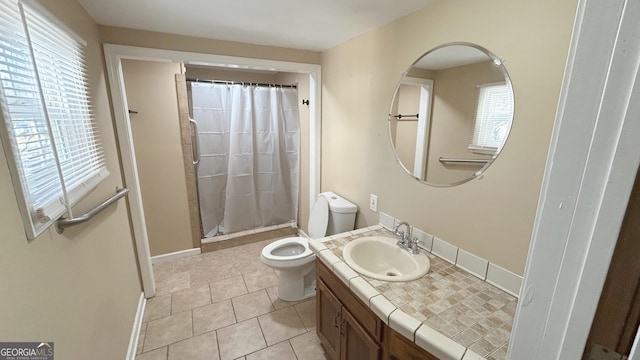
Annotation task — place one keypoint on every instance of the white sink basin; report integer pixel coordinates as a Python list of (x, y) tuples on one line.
[(380, 258)]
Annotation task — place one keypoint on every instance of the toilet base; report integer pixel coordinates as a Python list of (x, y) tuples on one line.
[(298, 284)]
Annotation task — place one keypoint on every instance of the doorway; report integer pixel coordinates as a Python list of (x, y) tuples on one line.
[(618, 316), (114, 54), (251, 164)]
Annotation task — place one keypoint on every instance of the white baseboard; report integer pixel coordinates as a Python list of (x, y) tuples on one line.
[(175, 255), (135, 332)]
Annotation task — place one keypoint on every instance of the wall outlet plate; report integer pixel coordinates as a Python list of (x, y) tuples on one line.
[(373, 203)]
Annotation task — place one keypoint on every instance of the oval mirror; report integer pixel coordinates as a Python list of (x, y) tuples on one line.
[(451, 114)]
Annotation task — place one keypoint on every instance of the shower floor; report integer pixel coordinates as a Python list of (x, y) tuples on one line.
[(246, 237)]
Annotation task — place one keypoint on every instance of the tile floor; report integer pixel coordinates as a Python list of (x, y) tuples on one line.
[(223, 305)]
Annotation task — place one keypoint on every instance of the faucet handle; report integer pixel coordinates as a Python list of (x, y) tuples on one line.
[(412, 246)]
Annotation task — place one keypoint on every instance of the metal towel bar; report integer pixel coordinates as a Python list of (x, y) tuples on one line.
[(196, 145), (467, 161), (401, 116), (62, 223)]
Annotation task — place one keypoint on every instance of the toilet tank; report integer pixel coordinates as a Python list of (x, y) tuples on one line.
[(342, 213)]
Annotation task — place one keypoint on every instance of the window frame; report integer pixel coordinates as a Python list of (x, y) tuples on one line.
[(476, 135), (74, 125)]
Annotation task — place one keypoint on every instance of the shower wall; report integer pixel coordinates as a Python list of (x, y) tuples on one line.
[(187, 133), (151, 91)]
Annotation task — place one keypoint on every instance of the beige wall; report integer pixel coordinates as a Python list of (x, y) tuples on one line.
[(214, 73), (148, 39), (151, 91), (122, 36), (455, 99), (79, 289), (491, 216), (302, 80)]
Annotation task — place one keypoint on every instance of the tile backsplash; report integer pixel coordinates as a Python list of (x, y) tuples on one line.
[(471, 263), (444, 250)]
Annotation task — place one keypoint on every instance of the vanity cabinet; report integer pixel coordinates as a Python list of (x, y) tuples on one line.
[(400, 348), (342, 336), (349, 330), (329, 311)]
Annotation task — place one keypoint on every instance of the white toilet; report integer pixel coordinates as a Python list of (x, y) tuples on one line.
[(292, 257)]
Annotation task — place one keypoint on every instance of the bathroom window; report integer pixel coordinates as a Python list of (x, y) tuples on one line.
[(48, 130), (493, 118)]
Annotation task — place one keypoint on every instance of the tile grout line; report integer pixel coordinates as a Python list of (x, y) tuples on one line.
[(294, 349), (499, 348), (145, 337), (270, 346), (233, 309), (300, 317), (193, 327), (217, 340), (262, 332)]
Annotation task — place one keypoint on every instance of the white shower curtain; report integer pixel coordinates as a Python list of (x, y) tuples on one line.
[(249, 155)]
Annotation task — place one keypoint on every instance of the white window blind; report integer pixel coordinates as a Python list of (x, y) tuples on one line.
[(48, 127), (493, 118)]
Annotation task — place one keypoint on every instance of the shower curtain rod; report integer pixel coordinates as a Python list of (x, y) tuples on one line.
[(240, 83)]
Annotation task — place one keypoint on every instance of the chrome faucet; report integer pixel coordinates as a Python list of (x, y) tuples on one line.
[(405, 240)]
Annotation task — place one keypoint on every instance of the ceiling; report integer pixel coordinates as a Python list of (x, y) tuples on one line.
[(311, 25), (451, 56)]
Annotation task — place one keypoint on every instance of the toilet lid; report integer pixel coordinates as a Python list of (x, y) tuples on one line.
[(319, 218)]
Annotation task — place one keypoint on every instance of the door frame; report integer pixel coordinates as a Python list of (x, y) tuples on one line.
[(114, 53), (424, 124), (590, 170)]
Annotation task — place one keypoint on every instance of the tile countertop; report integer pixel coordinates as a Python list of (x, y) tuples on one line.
[(448, 312)]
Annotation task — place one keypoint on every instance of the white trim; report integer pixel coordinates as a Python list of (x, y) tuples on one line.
[(115, 53), (590, 171), (424, 124), (175, 255), (410, 80), (135, 331), (635, 353), (129, 168), (315, 133)]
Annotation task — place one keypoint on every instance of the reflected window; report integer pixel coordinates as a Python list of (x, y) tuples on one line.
[(493, 118)]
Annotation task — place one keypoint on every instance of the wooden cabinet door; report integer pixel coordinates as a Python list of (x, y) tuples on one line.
[(356, 342), (328, 319), (400, 348)]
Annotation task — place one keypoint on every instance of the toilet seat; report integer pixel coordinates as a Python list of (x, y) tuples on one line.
[(319, 218), (294, 251), (287, 252)]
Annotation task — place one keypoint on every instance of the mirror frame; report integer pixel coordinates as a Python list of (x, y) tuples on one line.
[(499, 62)]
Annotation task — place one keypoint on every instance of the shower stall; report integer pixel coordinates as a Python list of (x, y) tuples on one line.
[(248, 142)]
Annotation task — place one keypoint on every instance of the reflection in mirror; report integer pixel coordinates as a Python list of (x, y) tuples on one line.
[(451, 114)]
